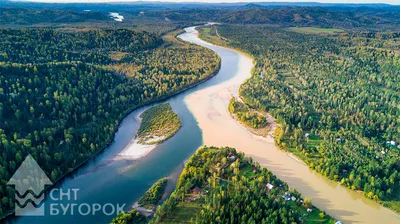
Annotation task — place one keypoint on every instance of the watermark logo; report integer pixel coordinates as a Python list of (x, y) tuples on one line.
[(30, 182)]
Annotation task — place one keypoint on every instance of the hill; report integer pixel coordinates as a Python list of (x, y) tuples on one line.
[(24, 16)]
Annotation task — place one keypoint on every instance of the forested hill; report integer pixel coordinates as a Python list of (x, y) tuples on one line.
[(288, 16), (93, 45), (344, 16), (23, 16), (64, 92)]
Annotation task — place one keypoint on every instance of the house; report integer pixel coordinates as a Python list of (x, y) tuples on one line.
[(269, 186), (232, 158), (383, 152), (196, 190), (338, 139), (287, 193), (254, 171), (309, 210), (294, 198), (307, 135), (338, 222)]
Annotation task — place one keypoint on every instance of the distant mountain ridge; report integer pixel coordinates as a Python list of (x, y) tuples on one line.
[(273, 13), (185, 5), (24, 16), (287, 16)]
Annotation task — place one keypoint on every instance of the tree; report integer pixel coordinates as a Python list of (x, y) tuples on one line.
[(308, 202)]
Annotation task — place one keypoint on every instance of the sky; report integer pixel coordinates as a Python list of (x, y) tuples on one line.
[(393, 2)]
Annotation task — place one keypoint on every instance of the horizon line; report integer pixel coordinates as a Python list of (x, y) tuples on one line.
[(343, 2)]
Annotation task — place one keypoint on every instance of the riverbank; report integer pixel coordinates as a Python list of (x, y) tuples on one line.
[(209, 106)]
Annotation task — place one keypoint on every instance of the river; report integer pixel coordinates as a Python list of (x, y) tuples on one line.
[(111, 178)]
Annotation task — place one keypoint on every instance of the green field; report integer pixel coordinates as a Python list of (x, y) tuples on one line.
[(209, 34), (315, 30)]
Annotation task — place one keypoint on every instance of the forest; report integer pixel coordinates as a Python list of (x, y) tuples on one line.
[(63, 92), (336, 97), (216, 180)]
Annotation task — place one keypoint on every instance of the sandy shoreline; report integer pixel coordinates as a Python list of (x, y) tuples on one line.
[(134, 150)]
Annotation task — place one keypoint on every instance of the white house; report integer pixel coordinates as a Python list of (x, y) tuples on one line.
[(269, 186)]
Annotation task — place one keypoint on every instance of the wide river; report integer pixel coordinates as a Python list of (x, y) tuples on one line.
[(114, 178)]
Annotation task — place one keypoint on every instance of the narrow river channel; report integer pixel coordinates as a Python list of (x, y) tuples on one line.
[(112, 178)]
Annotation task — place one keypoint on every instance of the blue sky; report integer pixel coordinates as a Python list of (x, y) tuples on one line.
[(394, 2)]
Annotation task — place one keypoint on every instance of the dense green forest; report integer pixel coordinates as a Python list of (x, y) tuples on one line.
[(91, 46), (159, 123), (64, 92), (219, 185), (337, 98), (26, 16)]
